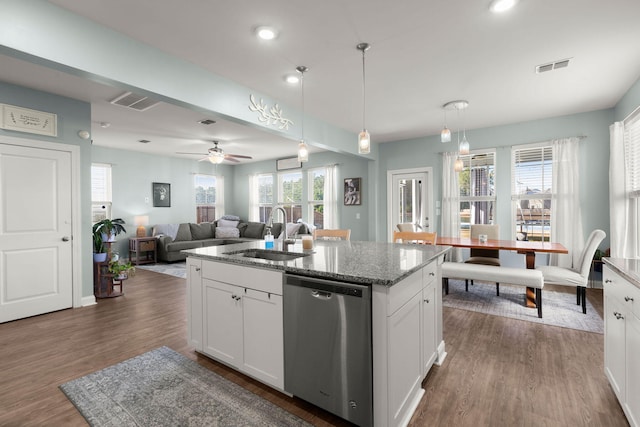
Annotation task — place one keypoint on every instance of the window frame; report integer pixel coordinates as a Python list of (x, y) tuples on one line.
[(311, 201), (105, 203), (218, 203), (471, 199), (291, 205), (265, 206)]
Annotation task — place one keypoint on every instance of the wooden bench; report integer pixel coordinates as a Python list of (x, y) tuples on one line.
[(489, 273)]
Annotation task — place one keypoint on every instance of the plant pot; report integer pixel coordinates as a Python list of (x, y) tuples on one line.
[(100, 257)]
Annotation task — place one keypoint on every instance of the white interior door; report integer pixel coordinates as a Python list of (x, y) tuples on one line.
[(36, 267), (409, 199)]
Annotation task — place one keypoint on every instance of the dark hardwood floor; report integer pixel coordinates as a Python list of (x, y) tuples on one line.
[(498, 372)]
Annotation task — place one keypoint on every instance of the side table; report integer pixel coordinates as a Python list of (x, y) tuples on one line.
[(143, 250)]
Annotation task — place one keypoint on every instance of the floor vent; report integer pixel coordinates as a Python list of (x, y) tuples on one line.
[(563, 63), (134, 101)]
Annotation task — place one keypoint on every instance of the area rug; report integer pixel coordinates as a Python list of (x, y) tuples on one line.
[(558, 308), (164, 388), (176, 269)]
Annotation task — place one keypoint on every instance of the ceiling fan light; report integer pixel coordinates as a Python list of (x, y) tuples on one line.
[(216, 158), (445, 135), (458, 165), (303, 152), (364, 142), (499, 6)]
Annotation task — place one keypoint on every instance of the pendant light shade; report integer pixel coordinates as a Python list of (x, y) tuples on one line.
[(445, 135), (364, 139), (458, 165), (303, 150), (463, 148)]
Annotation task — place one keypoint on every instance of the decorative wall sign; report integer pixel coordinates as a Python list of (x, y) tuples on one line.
[(30, 121), (161, 195), (289, 163), (352, 191), (270, 116)]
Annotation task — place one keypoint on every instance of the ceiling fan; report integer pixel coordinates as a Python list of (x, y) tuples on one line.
[(216, 155)]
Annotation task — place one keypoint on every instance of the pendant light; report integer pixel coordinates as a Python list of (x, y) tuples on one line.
[(445, 134), (303, 150), (461, 104), (364, 139), (463, 148)]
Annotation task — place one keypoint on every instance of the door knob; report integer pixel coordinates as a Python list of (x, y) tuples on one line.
[(65, 239)]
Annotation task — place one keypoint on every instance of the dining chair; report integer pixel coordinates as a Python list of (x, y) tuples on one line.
[(332, 234), (406, 226), (579, 275), (484, 256), (421, 237)]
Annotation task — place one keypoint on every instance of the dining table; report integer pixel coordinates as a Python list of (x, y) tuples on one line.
[(526, 247)]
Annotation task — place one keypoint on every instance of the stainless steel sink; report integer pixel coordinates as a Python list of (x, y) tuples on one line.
[(267, 254)]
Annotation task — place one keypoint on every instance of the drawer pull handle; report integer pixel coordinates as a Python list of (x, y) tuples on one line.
[(197, 268), (608, 281), (426, 301), (627, 299), (432, 274), (618, 315)]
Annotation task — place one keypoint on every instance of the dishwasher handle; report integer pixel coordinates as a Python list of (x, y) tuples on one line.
[(321, 294), (328, 286)]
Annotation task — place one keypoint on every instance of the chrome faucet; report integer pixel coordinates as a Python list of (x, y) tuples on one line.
[(285, 240)]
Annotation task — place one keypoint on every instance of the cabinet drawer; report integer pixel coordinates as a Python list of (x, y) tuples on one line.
[(429, 274), (403, 291), (241, 275), (619, 288)]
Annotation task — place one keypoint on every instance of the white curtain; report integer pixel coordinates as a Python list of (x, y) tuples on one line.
[(622, 216), (254, 211), (331, 198), (450, 202), (566, 216)]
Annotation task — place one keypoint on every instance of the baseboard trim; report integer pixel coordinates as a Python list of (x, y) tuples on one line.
[(86, 301), (442, 354)]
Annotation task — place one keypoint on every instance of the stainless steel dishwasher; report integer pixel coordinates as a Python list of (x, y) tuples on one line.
[(327, 346)]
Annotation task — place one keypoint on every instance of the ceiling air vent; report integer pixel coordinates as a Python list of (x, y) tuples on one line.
[(206, 121), (563, 63), (134, 101)]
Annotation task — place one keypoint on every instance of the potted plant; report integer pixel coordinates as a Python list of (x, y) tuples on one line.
[(99, 250), (109, 228), (121, 270)]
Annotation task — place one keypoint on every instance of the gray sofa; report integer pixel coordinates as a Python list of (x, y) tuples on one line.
[(173, 238)]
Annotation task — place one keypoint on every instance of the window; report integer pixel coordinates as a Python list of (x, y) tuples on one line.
[(316, 197), (632, 155), (265, 196), (477, 190), (209, 197), (531, 191), (290, 194), (100, 192)]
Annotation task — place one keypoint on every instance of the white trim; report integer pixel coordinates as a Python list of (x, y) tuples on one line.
[(429, 201), (87, 301), (76, 217)]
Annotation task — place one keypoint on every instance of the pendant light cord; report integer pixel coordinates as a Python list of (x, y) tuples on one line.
[(364, 92), (302, 90)]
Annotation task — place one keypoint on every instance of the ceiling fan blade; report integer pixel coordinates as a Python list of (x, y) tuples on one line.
[(231, 159), (239, 156), (203, 159), (195, 154)]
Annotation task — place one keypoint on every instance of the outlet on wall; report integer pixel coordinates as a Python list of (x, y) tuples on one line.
[(358, 215), (146, 200)]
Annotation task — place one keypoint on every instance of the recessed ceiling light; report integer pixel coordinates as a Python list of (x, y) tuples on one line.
[(292, 79), (105, 124), (499, 6), (266, 33)]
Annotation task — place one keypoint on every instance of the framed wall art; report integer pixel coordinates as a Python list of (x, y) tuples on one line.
[(161, 194), (352, 191)]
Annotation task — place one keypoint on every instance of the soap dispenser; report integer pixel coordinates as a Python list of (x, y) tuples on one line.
[(268, 240)]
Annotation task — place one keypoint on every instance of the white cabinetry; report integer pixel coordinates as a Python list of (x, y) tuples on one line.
[(240, 318), (405, 342), (622, 341)]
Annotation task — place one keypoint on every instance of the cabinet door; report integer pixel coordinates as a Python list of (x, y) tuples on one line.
[(405, 361), (263, 356), (429, 345), (194, 302), (632, 404), (614, 344), (222, 319)]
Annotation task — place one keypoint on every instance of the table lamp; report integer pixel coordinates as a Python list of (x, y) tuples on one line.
[(141, 221)]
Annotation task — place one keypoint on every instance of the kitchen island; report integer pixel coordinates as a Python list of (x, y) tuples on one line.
[(236, 305)]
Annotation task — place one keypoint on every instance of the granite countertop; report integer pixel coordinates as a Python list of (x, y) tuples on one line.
[(627, 268), (350, 261)]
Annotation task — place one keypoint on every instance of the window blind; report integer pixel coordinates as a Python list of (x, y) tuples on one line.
[(531, 172)]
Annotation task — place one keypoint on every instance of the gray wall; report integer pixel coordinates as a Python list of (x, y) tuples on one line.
[(73, 116), (348, 167), (594, 158)]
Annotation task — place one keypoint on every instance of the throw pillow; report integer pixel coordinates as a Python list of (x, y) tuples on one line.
[(227, 223), (292, 229), (201, 231), (276, 229), (254, 230), (227, 232), (184, 233)]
